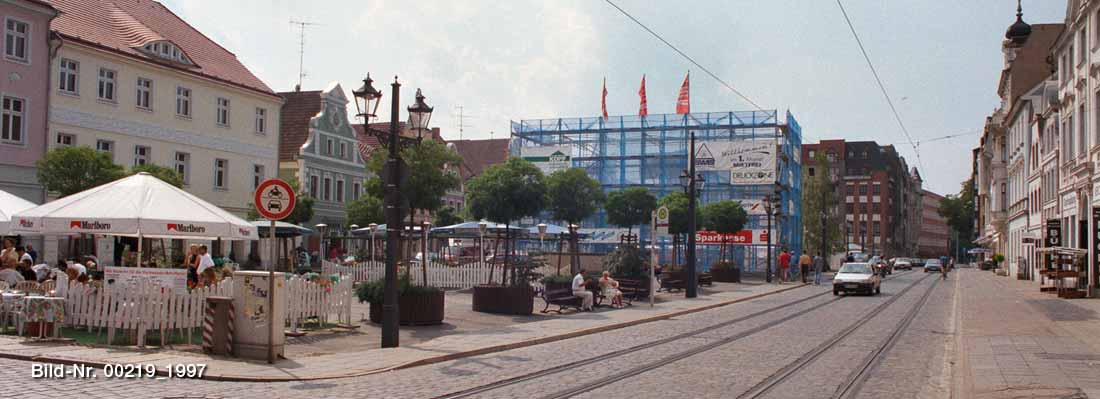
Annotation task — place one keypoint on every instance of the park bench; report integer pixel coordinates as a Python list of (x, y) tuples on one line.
[(706, 279), (672, 281), (632, 289), (562, 297)]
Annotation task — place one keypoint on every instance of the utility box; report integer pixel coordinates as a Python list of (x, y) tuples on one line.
[(217, 331), (252, 327)]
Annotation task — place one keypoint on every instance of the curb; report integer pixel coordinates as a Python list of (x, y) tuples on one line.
[(427, 361)]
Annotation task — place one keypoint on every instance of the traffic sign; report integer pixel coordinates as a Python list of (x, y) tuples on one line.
[(274, 199), (662, 220)]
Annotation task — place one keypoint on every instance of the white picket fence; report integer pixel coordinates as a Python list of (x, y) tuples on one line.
[(439, 275), (140, 307), (145, 305), (306, 299)]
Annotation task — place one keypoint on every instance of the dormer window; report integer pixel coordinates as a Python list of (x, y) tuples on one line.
[(166, 50)]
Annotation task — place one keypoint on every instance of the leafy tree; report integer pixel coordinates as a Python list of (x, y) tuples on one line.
[(573, 196), (630, 207), (70, 170), (819, 198), (677, 203), (374, 187), (303, 206), (364, 211), (507, 192), (959, 211), (169, 175), (446, 216), (432, 172), (724, 217)]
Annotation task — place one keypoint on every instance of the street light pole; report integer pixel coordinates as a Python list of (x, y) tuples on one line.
[(390, 338), (690, 291)]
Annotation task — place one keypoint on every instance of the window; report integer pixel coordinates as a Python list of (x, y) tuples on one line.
[(257, 176), (313, 186), (183, 101), (11, 123), (340, 190), (65, 139), (876, 189), (105, 146), (811, 171), (876, 229), (344, 150), (863, 207), (356, 189), (851, 189), (876, 207), (166, 50), (328, 146), (15, 39), (862, 189), (1084, 48), (831, 156), (141, 155), (326, 194), (261, 120), (183, 166), (851, 208), (144, 93), (1083, 119), (106, 84), (69, 76), (221, 170), (223, 111), (812, 153)]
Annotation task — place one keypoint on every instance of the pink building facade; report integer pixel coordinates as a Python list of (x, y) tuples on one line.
[(24, 92)]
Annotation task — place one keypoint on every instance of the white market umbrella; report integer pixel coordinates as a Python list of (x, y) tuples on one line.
[(136, 206), (11, 204)]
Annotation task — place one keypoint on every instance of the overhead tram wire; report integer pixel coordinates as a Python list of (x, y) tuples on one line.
[(881, 86), (687, 57)]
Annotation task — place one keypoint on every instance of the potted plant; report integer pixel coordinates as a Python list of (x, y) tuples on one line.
[(628, 262), (557, 281), (417, 304), (725, 272), (503, 193)]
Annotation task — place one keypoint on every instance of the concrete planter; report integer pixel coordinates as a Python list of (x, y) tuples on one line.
[(726, 275), (415, 310), (504, 299)]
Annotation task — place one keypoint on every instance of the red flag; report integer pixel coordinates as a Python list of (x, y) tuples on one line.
[(683, 104), (643, 109), (603, 101)]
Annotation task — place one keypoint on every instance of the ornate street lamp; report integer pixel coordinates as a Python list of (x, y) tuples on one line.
[(321, 227), (367, 99), (691, 183), (351, 229), (771, 207), (371, 228)]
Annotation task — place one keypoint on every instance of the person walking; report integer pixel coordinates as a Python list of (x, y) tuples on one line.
[(783, 265), (804, 262), (819, 266)]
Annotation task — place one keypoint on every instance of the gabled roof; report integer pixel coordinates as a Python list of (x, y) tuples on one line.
[(477, 155), (298, 108), (123, 26)]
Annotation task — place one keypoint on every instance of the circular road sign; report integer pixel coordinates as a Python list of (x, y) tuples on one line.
[(274, 199)]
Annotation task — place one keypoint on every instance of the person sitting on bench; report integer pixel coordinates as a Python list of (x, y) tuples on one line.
[(611, 290), (578, 289)]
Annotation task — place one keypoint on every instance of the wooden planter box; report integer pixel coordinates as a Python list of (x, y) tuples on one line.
[(414, 310), (723, 275), (504, 299)]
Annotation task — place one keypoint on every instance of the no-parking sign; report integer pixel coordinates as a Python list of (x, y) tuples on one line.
[(274, 199)]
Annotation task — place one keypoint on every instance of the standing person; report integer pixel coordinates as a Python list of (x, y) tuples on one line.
[(191, 262), (804, 262), (783, 264), (33, 253), (578, 290), (819, 266), (8, 257), (205, 262)]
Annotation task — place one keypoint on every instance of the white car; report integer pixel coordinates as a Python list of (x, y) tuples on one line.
[(857, 277), (903, 264)]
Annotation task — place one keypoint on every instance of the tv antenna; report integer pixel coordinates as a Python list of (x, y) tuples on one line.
[(461, 122), (302, 48)]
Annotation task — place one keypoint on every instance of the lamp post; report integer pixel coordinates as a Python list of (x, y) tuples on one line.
[(691, 182), (574, 259), (771, 207), (542, 234), (351, 230), (425, 226), (367, 99), (321, 230), (371, 228), (481, 227)]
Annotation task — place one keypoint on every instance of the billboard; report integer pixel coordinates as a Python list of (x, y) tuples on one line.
[(549, 159), (743, 237), (749, 162)]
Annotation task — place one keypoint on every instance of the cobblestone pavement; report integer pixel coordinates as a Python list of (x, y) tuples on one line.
[(971, 329)]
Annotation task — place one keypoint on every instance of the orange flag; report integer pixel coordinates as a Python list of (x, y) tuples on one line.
[(683, 104), (643, 109)]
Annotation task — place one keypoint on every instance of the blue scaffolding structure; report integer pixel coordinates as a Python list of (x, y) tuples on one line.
[(651, 152)]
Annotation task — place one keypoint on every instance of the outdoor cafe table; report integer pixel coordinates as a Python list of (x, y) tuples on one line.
[(9, 303), (44, 311)]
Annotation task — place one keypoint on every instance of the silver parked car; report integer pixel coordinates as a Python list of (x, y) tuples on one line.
[(857, 277), (933, 265), (903, 264)]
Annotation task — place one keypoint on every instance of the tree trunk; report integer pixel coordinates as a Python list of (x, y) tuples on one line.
[(560, 254), (496, 243), (507, 254)]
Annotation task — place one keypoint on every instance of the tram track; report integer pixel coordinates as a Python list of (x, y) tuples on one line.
[(855, 380), (591, 385)]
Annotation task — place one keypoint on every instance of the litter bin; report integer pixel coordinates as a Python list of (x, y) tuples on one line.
[(217, 326)]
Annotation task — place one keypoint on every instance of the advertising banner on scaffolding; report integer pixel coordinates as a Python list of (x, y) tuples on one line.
[(549, 159), (749, 162), (743, 237), (753, 207)]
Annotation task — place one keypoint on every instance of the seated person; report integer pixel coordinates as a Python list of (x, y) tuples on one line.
[(25, 270), (43, 272), (579, 283), (11, 276), (611, 290)]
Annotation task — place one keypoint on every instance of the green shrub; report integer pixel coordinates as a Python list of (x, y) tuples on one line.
[(374, 291), (557, 279), (626, 261)]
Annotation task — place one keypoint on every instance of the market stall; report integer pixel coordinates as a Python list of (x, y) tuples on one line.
[(10, 204), (1065, 270)]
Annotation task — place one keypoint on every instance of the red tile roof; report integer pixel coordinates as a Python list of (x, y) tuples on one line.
[(480, 154), (298, 108), (122, 25)]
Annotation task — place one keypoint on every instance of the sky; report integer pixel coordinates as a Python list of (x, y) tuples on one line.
[(528, 59)]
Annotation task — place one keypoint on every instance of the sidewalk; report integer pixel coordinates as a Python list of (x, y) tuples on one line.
[(1014, 341), (361, 362)]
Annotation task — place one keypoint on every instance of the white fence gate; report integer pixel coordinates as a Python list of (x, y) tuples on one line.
[(439, 275), (307, 299)]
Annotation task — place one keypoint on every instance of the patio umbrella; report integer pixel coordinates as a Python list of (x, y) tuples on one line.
[(282, 229), (10, 204)]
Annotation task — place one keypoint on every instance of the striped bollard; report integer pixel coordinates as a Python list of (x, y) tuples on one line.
[(208, 330), (229, 340)]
